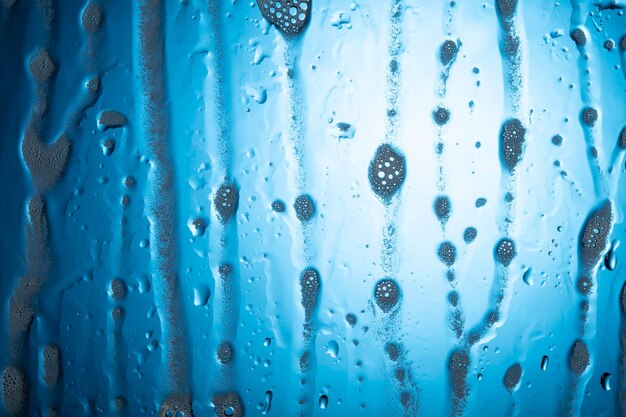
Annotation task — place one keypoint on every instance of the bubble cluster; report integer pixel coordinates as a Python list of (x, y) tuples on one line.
[(351, 319), (506, 8), (505, 251), (441, 115), (225, 353), (14, 389), (512, 138), (51, 365), (447, 253), (458, 367), (46, 163), (621, 140), (579, 37), (447, 52), (92, 17), (117, 289), (226, 201), (310, 290), (442, 207), (589, 116), (289, 16), (198, 227), (393, 351), (176, 406), (304, 207), (579, 358), (108, 147), (594, 236), (111, 119), (279, 206), (469, 235), (584, 285), (387, 172), (41, 65), (386, 294), (512, 378)]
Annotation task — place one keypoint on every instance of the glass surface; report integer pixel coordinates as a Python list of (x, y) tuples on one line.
[(316, 208)]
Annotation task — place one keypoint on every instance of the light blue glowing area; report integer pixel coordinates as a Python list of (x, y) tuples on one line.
[(315, 208)]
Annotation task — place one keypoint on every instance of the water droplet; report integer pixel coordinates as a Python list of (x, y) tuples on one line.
[(323, 402), (545, 361), (605, 381), (528, 277), (332, 349)]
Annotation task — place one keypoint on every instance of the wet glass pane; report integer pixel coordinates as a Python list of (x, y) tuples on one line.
[(312, 208)]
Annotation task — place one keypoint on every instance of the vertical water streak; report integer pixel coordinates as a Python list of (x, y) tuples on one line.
[(291, 18), (160, 206), (386, 174), (589, 118), (226, 204)]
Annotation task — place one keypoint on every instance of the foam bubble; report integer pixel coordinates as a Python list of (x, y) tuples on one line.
[(41, 65), (579, 358), (589, 116), (458, 367), (46, 163), (92, 17), (441, 115), (447, 52), (111, 119), (225, 353), (289, 16), (228, 404), (176, 406), (310, 283), (512, 138), (594, 237), (14, 389), (279, 206), (469, 235), (579, 37), (442, 207), (117, 289), (621, 140), (226, 201), (51, 365), (386, 294), (447, 253), (387, 172), (304, 207), (393, 351), (505, 251), (512, 378)]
